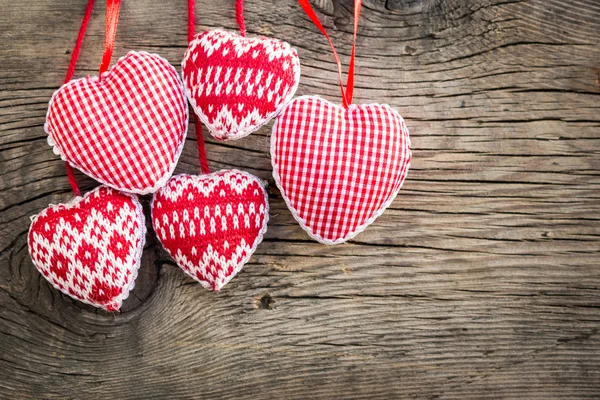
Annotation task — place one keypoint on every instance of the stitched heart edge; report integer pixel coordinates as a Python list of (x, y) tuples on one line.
[(138, 251), (288, 202), (257, 241), (222, 134), (163, 180)]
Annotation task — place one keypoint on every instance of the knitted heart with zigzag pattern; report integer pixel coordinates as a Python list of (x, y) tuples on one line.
[(91, 247), (211, 224), (237, 84)]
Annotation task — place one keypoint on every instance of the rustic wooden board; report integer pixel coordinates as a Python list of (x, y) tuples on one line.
[(481, 281)]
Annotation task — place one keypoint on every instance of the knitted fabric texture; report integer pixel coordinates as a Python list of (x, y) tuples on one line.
[(211, 224), (237, 84), (91, 247), (125, 128), (338, 169)]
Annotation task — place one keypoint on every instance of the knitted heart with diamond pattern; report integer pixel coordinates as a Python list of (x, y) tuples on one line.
[(237, 84), (211, 224), (125, 128), (338, 169), (91, 247)]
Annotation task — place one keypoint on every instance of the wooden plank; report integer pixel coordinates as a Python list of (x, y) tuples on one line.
[(481, 281)]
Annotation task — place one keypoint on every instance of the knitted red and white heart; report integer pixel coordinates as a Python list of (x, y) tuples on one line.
[(338, 169), (125, 128), (211, 224), (91, 247), (237, 84)]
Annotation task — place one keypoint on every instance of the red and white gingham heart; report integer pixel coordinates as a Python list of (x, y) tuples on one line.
[(125, 128), (338, 169), (211, 224), (237, 84), (91, 247)]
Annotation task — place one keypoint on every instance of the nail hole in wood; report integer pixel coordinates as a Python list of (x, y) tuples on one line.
[(265, 302)]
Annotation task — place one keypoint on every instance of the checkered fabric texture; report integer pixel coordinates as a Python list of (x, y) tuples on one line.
[(90, 248), (125, 129), (237, 84), (338, 169), (211, 224)]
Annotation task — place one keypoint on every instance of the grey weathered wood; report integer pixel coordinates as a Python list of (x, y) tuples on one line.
[(481, 281)]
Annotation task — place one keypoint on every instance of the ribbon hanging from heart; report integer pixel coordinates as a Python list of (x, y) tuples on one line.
[(91, 247), (125, 127), (338, 167), (236, 84), (212, 223)]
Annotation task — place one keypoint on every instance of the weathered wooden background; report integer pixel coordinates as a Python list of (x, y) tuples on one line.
[(481, 281)]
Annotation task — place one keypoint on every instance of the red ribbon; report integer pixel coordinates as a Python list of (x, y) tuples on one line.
[(239, 16), (347, 94), (112, 17), (350, 82), (191, 26), (70, 71), (77, 49), (197, 124)]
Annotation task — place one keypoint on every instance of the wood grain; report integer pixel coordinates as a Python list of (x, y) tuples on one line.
[(481, 281)]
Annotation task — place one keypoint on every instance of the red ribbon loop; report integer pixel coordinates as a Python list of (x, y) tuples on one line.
[(239, 16), (77, 49), (191, 21), (350, 82), (70, 71), (197, 124), (347, 94), (112, 17)]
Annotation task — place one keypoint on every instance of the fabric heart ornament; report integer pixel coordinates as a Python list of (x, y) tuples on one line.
[(211, 224), (125, 128), (338, 168), (91, 247), (236, 84)]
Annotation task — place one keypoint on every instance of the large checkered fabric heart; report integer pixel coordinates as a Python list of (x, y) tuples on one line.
[(338, 169), (211, 224), (91, 247), (125, 129), (237, 84)]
